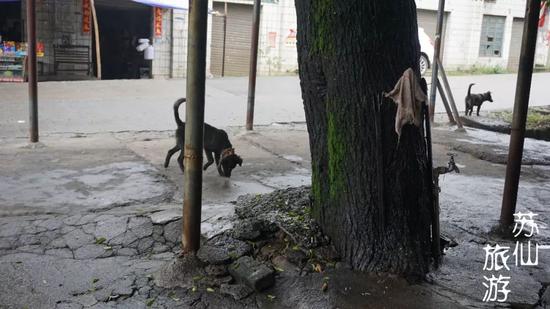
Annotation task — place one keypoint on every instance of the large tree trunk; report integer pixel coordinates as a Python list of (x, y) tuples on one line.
[(371, 192)]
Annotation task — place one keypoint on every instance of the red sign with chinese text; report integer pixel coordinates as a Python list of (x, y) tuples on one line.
[(86, 16), (158, 22)]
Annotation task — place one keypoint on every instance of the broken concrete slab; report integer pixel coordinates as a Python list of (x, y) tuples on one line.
[(252, 273), (166, 216), (172, 231)]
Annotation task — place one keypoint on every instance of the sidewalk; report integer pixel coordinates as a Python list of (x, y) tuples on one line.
[(88, 218)]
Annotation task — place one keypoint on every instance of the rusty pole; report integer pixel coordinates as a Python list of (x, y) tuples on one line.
[(253, 65), (450, 93), (31, 63), (224, 37), (445, 103), (437, 51), (194, 118), (521, 105)]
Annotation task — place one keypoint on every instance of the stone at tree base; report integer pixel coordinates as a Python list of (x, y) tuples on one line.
[(252, 273), (237, 291), (246, 230), (222, 249), (253, 228), (296, 257), (216, 270)]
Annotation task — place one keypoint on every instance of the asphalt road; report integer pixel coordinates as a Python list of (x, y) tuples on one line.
[(136, 105)]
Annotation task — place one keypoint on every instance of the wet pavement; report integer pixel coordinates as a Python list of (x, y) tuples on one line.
[(87, 219)]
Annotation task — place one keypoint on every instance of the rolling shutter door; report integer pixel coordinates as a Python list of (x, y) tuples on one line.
[(238, 40)]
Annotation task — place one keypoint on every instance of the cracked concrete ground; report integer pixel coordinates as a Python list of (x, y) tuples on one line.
[(86, 219)]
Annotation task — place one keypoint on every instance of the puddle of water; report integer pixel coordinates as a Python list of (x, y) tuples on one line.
[(293, 158), (475, 201)]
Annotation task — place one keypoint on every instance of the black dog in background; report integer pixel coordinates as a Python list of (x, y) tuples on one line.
[(216, 146), (476, 100)]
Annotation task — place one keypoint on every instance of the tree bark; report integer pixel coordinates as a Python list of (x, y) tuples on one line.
[(370, 191)]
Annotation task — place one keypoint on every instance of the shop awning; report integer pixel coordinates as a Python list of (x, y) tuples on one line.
[(168, 4)]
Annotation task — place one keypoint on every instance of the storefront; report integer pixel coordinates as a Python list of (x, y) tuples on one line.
[(70, 50), (12, 51)]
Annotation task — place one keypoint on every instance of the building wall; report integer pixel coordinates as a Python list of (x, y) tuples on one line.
[(179, 42), (163, 47), (462, 38), (278, 26)]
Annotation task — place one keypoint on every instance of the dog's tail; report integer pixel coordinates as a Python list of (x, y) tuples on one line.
[(470, 89), (176, 111)]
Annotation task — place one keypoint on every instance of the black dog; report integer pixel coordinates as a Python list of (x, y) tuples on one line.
[(476, 100), (215, 142)]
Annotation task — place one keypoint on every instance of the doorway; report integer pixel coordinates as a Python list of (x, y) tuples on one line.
[(10, 22), (121, 25)]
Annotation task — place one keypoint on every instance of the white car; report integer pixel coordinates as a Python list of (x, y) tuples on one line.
[(426, 51)]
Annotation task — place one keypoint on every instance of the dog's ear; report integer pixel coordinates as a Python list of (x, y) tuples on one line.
[(239, 161)]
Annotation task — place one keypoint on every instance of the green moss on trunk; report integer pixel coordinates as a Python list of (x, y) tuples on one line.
[(323, 17)]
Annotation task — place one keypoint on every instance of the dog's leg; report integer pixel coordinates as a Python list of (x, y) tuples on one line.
[(180, 161), (217, 156), (169, 155), (478, 108), (210, 159)]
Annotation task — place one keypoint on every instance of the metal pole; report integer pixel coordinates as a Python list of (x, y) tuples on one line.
[(224, 38), (437, 51), (253, 65), (445, 102), (521, 104), (31, 63), (450, 93), (194, 126)]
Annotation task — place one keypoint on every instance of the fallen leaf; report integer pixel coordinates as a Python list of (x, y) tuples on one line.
[(100, 240), (270, 297), (95, 280), (278, 269), (149, 302), (211, 290), (324, 287), (317, 268)]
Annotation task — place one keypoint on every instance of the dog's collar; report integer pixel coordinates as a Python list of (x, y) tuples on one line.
[(226, 153)]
